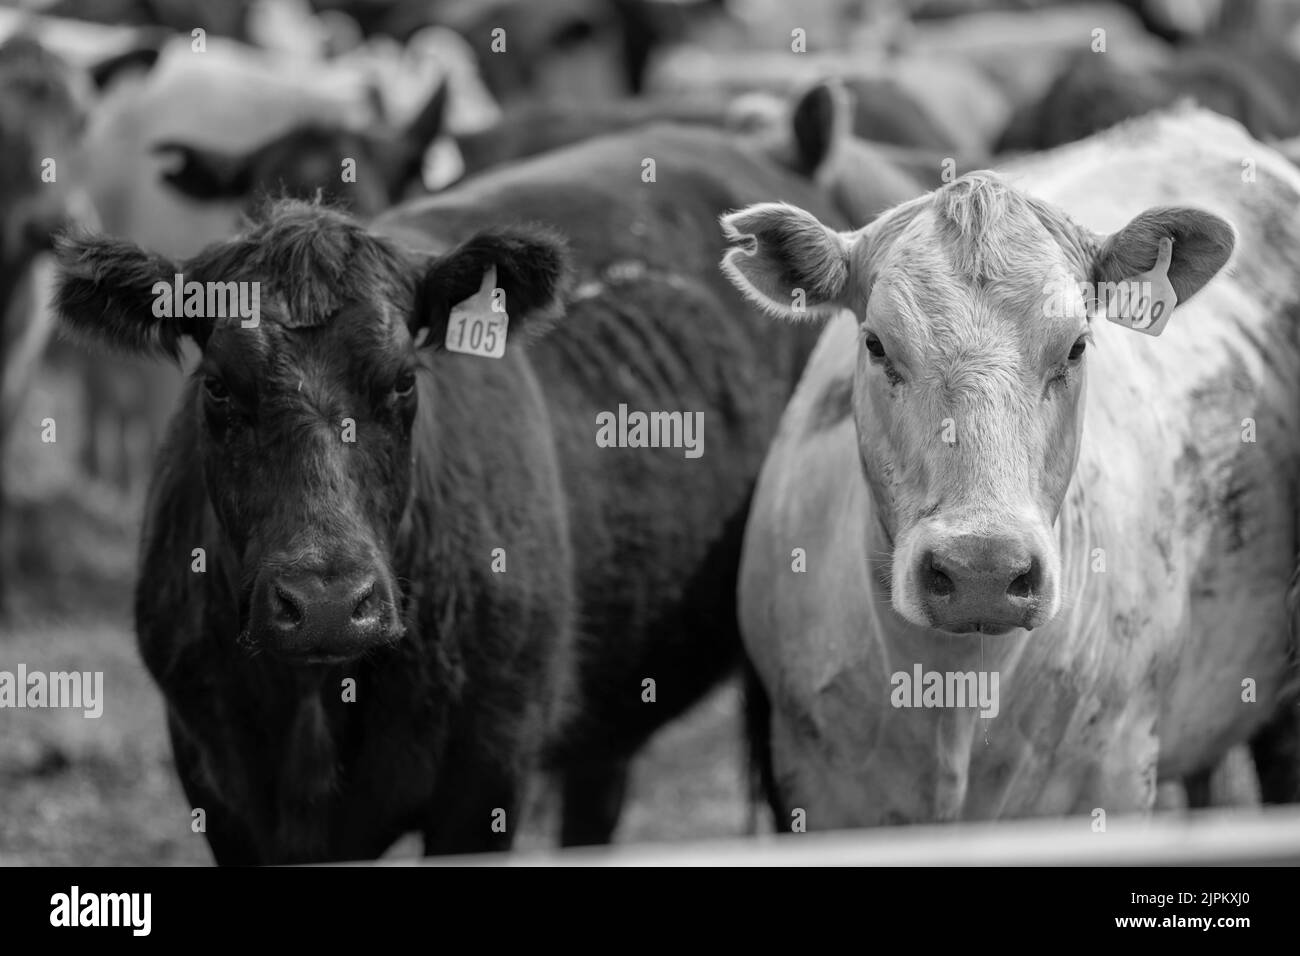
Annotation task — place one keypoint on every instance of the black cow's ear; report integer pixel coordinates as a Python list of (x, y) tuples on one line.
[(208, 175), (532, 268), (426, 126), (110, 291), (400, 156), (821, 120)]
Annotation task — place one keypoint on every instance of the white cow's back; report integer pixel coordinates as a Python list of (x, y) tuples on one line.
[(1170, 418)]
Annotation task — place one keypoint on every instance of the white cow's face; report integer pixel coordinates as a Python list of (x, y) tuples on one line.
[(967, 401), (970, 374)]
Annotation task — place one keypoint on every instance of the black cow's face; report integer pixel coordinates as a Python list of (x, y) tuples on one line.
[(306, 448), (305, 410)]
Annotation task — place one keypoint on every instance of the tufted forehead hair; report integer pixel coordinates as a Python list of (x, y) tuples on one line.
[(977, 233), (311, 258)]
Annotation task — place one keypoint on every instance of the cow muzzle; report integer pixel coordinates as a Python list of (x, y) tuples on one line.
[(986, 584), (309, 617)]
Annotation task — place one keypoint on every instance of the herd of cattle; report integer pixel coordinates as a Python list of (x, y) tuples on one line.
[(387, 586)]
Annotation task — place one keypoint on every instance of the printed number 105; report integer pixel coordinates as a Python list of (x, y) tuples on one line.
[(482, 333)]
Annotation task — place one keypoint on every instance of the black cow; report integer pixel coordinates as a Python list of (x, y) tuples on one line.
[(303, 162), (374, 560)]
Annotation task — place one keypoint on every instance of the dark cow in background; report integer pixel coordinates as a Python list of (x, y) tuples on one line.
[(812, 135), (373, 560), (528, 129), (559, 50), (308, 158), (877, 112), (1251, 81)]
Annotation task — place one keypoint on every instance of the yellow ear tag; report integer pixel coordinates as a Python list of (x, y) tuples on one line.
[(1145, 302), (477, 326)]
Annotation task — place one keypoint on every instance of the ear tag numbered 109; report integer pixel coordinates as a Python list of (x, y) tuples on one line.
[(1145, 301), (477, 326)]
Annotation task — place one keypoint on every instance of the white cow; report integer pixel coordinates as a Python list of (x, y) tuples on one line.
[(981, 479)]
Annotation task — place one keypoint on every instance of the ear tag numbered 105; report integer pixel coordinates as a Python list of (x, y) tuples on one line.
[(477, 326), (1145, 301)]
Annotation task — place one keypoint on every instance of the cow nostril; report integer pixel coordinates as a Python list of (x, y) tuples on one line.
[(285, 607), (367, 604), (936, 582), (1026, 584)]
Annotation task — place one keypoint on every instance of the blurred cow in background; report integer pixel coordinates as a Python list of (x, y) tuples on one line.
[(44, 102), (42, 114), (386, 165), (1253, 82)]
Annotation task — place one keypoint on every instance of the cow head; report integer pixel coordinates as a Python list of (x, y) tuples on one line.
[(308, 159), (303, 422), (970, 375)]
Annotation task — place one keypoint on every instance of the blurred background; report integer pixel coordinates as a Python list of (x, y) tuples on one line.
[(169, 148)]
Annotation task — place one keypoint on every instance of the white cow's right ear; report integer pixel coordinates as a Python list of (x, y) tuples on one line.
[(787, 261)]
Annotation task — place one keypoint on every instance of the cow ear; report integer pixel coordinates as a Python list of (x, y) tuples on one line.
[(822, 119), (428, 123), (1202, 245), (805, 138), (110, 291), (208, 175), (531, 266), (789, 263), (403, 155)]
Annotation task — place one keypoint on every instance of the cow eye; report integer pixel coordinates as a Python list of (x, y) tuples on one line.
[(1076, 350), (874, 347), (404, 385), (216, 388)]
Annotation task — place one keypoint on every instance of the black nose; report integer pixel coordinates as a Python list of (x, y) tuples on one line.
[(971, 583), (310, 617)]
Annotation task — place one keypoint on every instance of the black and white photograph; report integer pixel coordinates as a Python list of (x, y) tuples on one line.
[(643, 433)]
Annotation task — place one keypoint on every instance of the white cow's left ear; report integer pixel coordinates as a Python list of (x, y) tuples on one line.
[(1173, 250)]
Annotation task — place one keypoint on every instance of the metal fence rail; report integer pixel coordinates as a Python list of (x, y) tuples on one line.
[(1265, 836)]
